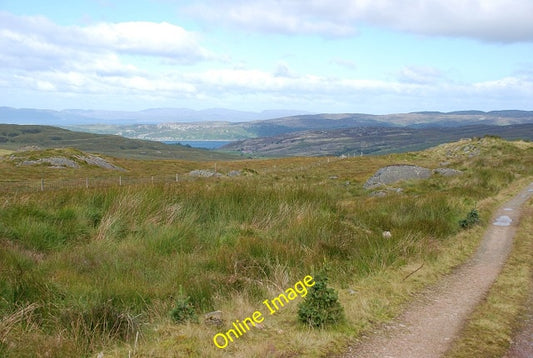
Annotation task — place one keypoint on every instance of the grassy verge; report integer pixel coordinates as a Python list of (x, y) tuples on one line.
[(490, 329)]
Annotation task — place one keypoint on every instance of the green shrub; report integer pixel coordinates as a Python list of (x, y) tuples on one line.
[(321, 307), (472, 218), (183, 311)]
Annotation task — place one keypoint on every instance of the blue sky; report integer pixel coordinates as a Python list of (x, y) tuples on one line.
[(372, 56)]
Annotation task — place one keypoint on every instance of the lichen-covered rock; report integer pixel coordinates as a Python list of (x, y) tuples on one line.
[(68, 160), (234, 173), (97, 161), (54, 162), (393, 173), (204, 173)]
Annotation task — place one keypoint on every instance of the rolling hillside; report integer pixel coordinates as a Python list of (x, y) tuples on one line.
[(13, 137), (219, 128), (369, 140)]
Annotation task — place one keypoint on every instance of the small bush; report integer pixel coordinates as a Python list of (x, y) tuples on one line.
[(183, 311), (321, 306), (472, 218)]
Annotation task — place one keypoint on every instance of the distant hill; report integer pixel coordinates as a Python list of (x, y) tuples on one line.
[(72, 117), (234, 131), (369, 140), (14, 137), (223, 130), (171, 124), (460, 118)]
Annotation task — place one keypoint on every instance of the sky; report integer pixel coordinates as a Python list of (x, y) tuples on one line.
[(365, 56)]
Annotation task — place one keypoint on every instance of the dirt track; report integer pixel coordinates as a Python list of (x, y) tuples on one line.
[(431, 323)]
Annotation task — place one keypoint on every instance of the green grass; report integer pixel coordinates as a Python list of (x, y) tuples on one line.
[(99, 266)]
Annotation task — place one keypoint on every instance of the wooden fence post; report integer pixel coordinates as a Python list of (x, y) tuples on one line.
[(42, 184)]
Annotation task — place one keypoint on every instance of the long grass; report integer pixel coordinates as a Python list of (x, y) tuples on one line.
[(103, 267)]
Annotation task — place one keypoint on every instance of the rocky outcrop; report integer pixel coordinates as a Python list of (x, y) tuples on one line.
[(203, 173), (234, 173), (53, 162), (74, 162), (394, 173), (206, 173), (97, 161)]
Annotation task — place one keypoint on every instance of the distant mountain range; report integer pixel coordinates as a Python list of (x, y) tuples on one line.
[(231, 131), (72, 117), (280, 133)]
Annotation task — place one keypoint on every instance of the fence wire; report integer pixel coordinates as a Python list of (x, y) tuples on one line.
[(48, 184)]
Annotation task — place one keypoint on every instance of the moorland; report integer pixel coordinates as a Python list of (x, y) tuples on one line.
[(100, 269)]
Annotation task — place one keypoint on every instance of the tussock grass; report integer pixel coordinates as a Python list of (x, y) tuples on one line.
[(105, 266)]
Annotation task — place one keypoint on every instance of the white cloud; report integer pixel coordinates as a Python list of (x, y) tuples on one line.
[(486, 20), (347, 64), (505, 87), (246, 81), (45, 60), (419, 74), (288, 17), (145, 38), (314, 92), (256, 89), (37, 41), (283, 70), (40, 56)]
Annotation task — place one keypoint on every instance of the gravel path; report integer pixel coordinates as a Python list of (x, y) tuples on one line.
[(429, 325)]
